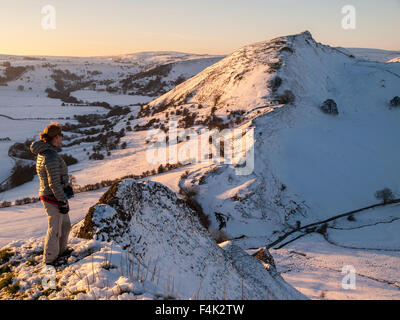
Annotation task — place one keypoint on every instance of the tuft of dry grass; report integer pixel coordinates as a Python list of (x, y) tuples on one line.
[(5, 255)]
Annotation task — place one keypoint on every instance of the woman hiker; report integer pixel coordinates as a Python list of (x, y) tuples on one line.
[(54, 191)]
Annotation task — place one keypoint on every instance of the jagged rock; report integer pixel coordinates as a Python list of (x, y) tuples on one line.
[(329, 106), (395, 102), (161, 230), (286, 97), (265, 256)]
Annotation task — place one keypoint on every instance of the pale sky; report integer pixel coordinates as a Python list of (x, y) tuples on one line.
[(100, 27)]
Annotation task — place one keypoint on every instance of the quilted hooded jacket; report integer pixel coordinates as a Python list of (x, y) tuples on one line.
[(51, 170)]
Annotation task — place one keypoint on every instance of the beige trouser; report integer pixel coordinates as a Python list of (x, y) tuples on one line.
[(57, 233)]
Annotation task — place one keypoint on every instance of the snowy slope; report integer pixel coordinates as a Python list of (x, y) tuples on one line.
[(239, 82), (100, 74)]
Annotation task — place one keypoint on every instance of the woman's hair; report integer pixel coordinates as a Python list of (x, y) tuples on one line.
[(51, 131)]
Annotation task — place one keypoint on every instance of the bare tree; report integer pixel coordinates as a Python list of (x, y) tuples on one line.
[(386, 195)]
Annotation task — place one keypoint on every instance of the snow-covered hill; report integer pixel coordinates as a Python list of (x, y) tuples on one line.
[(238, 85), (308, 165)]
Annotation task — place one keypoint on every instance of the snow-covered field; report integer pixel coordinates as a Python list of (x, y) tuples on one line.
[(376, 54), (163, 252), (23, 116), (111, 98)]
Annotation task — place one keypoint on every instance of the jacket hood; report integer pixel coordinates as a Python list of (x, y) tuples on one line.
[(40, 146)]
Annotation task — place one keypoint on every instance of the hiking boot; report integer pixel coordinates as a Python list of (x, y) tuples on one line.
[(66, 253), (62, 259)]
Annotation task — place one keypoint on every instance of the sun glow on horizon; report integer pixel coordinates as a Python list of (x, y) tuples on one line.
[(101, 28)]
